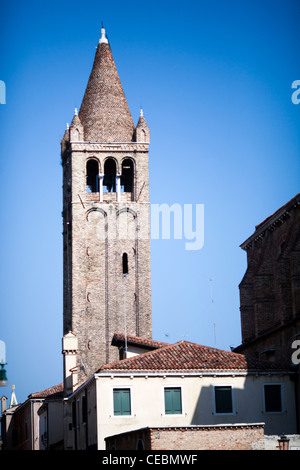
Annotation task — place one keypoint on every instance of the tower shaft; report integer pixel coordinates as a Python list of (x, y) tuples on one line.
[(106, 235)]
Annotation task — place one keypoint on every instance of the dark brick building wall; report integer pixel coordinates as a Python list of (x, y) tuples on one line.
[(270, 288), (222, 437), (270, 291)]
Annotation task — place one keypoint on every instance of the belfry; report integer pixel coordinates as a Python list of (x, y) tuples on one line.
[(106, 228)]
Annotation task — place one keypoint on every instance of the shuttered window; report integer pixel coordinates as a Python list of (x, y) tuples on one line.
[(173, 401), (223, 399), (122, 401), (273, 398)]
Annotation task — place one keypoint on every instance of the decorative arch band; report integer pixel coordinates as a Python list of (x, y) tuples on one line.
[(125, 210), (94, 209)]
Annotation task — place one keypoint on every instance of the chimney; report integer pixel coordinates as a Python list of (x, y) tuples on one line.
[(3, 404), (69, 350)]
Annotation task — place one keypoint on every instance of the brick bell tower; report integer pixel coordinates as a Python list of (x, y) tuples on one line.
[(106, 229)]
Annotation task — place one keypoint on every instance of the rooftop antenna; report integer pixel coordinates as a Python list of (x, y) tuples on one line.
[(213, 308)]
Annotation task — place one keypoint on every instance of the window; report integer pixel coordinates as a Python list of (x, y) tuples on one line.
[(110, 171), (125, 263), (122, 401), (74, 414), (127, 176), (92, 176), (173, 401), (84, 408), (223, 399), (273, 398), (140, 445)]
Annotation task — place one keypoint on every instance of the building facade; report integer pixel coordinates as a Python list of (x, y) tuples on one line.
[(270, 288), (22, 428), (182, 385), (107, 285), (270, 291), (176, 439)]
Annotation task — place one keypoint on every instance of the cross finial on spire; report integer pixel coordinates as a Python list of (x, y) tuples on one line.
[(103, 38)]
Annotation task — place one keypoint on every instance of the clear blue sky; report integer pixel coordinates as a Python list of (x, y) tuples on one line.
[(214, 79)]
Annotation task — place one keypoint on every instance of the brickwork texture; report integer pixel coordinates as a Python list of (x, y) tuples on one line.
[(98, 229)]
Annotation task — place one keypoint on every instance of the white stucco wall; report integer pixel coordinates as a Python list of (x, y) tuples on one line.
[(147, 402)]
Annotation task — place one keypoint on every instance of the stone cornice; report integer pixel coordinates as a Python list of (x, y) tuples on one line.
[(112, 147), (272, 222)]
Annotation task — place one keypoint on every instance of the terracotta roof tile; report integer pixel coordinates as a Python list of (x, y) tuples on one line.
[(56, 390), (186, 356), (119, 338)]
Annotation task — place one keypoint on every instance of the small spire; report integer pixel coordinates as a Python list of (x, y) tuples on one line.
[(141, 112), (13, 398), (103, 38), (76, 112)]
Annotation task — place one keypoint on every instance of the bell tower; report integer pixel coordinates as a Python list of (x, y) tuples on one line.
[(106, 229)]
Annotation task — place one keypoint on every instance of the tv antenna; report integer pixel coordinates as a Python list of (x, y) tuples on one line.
[(213, 309)]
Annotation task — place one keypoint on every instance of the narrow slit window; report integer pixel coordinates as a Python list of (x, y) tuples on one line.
[(125, 263), (92, 176)]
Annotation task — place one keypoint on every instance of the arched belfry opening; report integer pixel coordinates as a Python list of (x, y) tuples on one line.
[(92, 176), (110, 171), (127, 177)]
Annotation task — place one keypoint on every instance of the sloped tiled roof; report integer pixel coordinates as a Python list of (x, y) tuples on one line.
[(186, 356), (56, 390), (137, 341)]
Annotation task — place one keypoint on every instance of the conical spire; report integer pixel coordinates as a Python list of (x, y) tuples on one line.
[(142, 133), (104, 111), (13, 398)]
